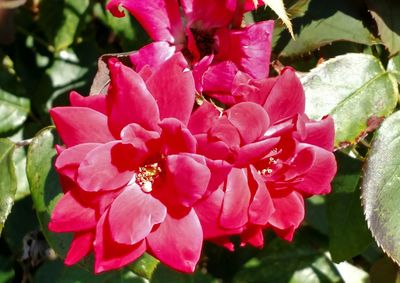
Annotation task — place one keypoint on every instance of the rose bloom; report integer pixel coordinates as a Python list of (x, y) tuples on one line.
[(280, 157), (208, 32), (130, 171)]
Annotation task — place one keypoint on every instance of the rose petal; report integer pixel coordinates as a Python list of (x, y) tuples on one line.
[(288, 214), (251, 153), (203, 118), (321, 133), (80, 247), (81, 125), (286, 98), (318, 178), (133, 214), (70, 215), (161, 19), (128, 100), (108, 167), (250, 119), (177, 242), (152, 55), (236, 200), (208, 14), (95, 102), (176, 138), (68, 160), (109, 254), (186, 180), (261, 205), (173, 88), (208, 211), (249, 48)]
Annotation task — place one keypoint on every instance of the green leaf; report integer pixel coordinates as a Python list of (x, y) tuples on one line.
[(13, 111), (380, 186), (20, 222), (386, 14), (325, 22), (394, 67), (8, 182), (71, 69), (13, 107), (6, 270), (45, 186), (316, 215), (57, 272), (355, 90), (60, 20), (166, 274), (144, 266), (348, 231), (303, 260)]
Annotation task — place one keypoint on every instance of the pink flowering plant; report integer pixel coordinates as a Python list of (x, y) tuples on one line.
[(199, 141), (155, 172)]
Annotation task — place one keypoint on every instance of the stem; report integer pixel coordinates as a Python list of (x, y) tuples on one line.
[(48, 46), (23, 143)]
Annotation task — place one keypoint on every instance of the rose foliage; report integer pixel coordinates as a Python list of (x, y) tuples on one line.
[(192, 142)]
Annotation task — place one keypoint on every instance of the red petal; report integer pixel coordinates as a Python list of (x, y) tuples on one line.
[(176, 138), (81, 125), (250, 119), (173, 88), (225, 131), (133, 214), (249, 48), (236, 200), (108, 167), (208, 14), (186, 180), (136, 134), (218, 79), (286, 98), (70, 215), (203, 118), (321, 133), (80, 247), (318, 178), (212, 149), (253, 152), (253, 236), (153, 55), (128, 100), (68, 161), (289, 212), (177, 242), (261, 206), (161, 19), (219, 172), (109, 254), (95, 102), (209, 211)]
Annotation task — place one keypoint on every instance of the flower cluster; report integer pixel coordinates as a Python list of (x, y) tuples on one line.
[(147, 167)]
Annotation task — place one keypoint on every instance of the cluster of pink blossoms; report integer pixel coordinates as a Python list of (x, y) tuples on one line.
[(145, 168)]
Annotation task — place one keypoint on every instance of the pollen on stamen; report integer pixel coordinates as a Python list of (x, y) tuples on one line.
[(146, 176)]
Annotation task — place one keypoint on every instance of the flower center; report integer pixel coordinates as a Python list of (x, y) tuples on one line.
[(146, 176), (270, 164), (204, 41)]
